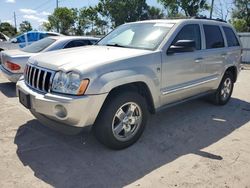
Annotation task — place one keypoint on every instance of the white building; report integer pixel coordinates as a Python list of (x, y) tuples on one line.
[(245, 39)]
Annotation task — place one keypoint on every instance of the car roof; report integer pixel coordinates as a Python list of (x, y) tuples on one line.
[(73, 37), (187, 20)]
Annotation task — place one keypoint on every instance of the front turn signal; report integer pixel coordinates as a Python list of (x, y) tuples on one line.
[(83, 87)]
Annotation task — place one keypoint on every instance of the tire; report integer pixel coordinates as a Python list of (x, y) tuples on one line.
[(225, 90), (121, 120)]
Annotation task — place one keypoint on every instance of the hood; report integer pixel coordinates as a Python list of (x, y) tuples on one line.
[(16, 53), (83, 58)]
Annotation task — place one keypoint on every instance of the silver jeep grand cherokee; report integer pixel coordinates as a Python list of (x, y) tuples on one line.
[(138, 68)]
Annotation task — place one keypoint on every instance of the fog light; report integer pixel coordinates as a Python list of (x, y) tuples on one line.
[(60, 111)]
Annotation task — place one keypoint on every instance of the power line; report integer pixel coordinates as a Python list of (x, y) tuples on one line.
[(41, 5)]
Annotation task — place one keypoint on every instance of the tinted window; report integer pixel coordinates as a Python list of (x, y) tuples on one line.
[(43, 35), (52, 34), (214, 38), (231, 38), (190, 32), (93, 41), (77, 43), (38, 46), (32, 37)]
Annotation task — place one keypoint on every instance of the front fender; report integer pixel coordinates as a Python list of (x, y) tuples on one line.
[(108, 81)]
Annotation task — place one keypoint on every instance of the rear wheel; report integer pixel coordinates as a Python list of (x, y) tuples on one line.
[(224, 92), (121, 120)]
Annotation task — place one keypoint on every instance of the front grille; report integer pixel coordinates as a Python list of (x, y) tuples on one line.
[(38, 78)]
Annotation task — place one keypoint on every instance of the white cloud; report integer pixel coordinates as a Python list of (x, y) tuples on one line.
[(44, 13), (33, 15), (10, 1), (27, 11), (9, 21), (34, 18)]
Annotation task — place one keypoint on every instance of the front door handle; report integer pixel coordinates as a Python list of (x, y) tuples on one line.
[(198, 60)]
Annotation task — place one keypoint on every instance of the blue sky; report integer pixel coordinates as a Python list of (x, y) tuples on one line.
[(37, 11)]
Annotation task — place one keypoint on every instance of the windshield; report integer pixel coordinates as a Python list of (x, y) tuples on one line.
[(38, 46), (137, 35)]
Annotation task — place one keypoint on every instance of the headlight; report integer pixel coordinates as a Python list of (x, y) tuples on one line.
[(69, 83)]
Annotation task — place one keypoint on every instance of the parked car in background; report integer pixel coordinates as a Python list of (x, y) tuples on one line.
[(138, 68), (25, 39), (14, 61), (29, 37)]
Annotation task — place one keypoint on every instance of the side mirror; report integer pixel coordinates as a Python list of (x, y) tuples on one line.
[(182, 46), (14, 40)]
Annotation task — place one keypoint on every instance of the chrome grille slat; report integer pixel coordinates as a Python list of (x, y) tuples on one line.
[(39, 78), (33, 78), (26, 72), (44, 79), (29, 75)]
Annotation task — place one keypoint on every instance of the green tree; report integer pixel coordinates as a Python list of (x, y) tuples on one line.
[(239, 24), (25, 26), (46, 26), (122, 11), (92, 21), (241, 15), (155, 13), (190, 7), (62, 18), (7, 29)]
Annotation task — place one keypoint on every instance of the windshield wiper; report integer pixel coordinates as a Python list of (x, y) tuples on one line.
[(116, 45)]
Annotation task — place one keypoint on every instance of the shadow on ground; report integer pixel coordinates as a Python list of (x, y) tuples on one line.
[(80, 161), (8, 89)]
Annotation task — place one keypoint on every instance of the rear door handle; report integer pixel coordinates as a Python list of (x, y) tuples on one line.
[(198, 60)]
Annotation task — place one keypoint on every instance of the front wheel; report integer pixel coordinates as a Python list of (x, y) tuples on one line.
[(224, 92), (121, 120)]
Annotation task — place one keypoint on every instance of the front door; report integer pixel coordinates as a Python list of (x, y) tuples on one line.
[(183, 72)]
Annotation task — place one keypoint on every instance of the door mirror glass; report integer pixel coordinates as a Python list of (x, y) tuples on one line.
[(182, 46)]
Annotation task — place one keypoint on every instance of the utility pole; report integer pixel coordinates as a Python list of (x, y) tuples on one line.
[(57, 24), (15, 21), (211, 11)]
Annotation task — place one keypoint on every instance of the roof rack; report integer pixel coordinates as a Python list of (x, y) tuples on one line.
[(204, 17)]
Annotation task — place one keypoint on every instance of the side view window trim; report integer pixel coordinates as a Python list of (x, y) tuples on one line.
[(230, 37), (199, 37), (219, 36)]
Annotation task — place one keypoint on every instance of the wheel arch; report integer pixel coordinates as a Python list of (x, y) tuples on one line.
[(139, 87), (233, 71)]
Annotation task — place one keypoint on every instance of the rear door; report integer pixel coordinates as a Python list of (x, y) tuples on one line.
[(233, 47), (214, 54)]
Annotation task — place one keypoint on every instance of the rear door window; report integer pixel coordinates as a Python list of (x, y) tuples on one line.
[(213, 35), (231, 38), (32, 37), (190, 32)]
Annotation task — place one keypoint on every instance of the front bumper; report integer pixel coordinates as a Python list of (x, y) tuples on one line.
[(13, 77), (60, 111)]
